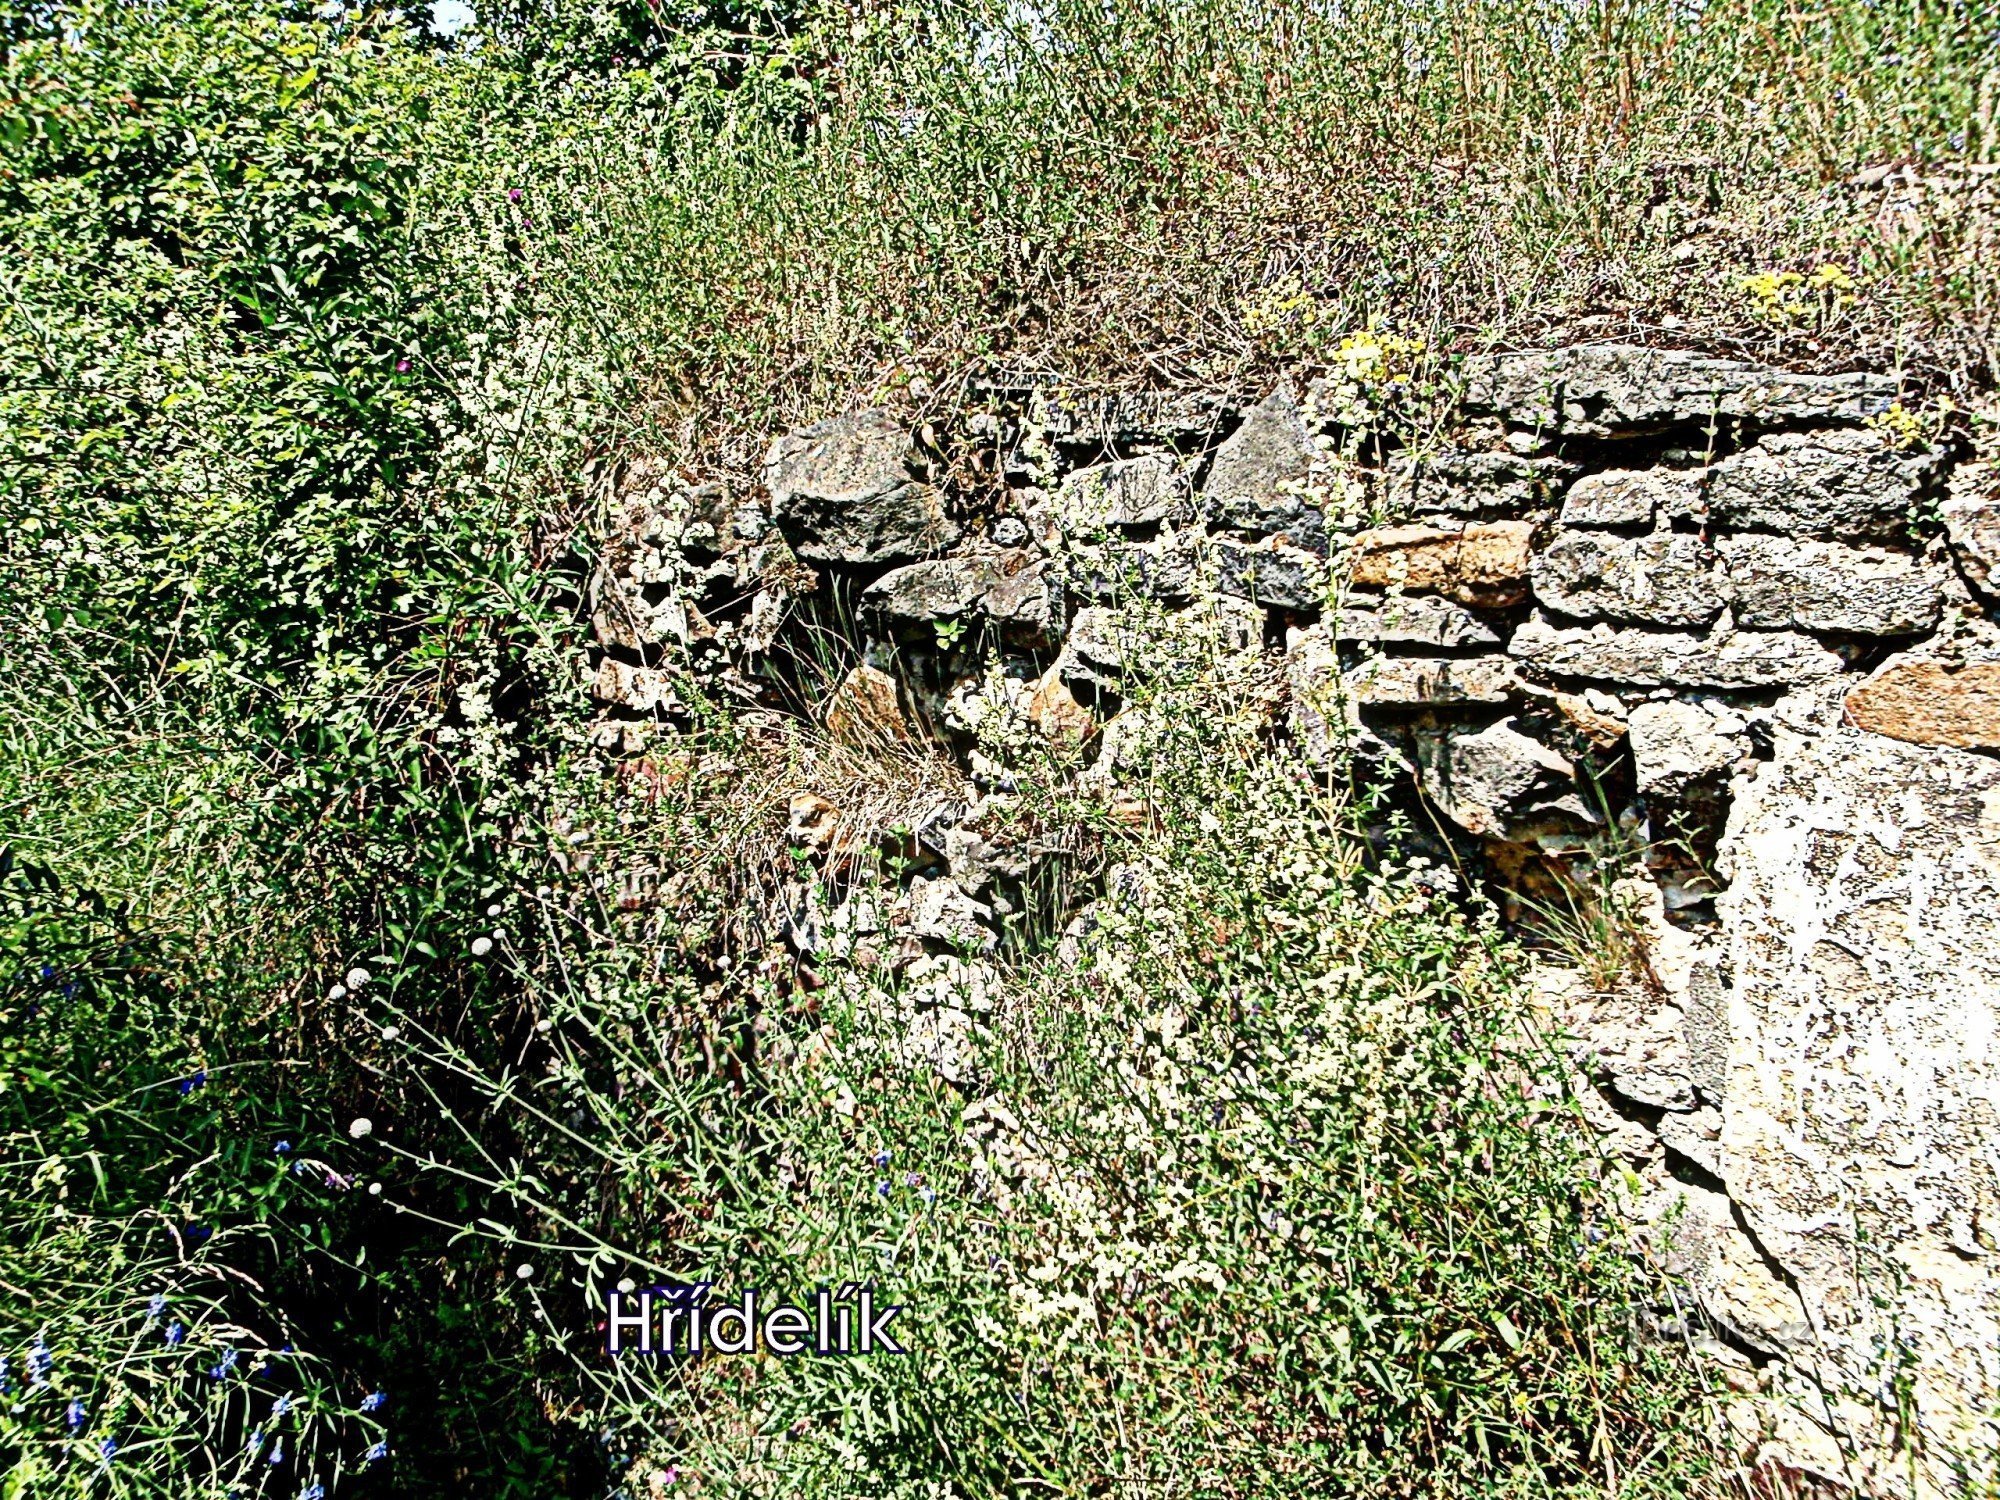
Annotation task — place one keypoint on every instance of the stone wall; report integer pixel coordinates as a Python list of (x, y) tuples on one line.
[(1726, 622)]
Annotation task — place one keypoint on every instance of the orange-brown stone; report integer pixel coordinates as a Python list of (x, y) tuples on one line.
[(1929, 704)]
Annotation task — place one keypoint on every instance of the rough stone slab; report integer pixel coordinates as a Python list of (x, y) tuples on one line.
[(1972, 522), (866, 711), (943, 588), (1164, 568), (1929, 703), (1720, 658), (1140, 491), (1852, 483), (1424, 681), (1411, 620), (845, 491), (1634, 497), (1666, 578), (1255, 479), (1271, 573), (1606, 390), (1466, 483), (1781, 584), (1485, 565), (1863, 924), (640, 689), (1496, 782), (1679, 747)]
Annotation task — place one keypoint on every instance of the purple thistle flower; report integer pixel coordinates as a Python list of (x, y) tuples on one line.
[(513, 195)]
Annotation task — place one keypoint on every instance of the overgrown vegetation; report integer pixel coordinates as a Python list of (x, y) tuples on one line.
[(318, 330)]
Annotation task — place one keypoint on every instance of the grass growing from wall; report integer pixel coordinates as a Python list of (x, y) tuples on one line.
[(314, 330)]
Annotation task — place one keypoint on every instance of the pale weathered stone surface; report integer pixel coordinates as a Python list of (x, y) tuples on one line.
[(1254, 480), (1843, 483), (1100, 637), (1475, 484), (1126, 492), (1498, 783), (640, 689), (1411, 620), (1269, 572), (1781, 584), (1721, 657), (1610, 389), (1863, 1091), (1053, 709), (1972, 522), (1417, 681), (845, 491), (1633, 497), (1679, 746), (1930, 703), (1164, 568), (1666, 578), (1012, 588), (1484, 565)]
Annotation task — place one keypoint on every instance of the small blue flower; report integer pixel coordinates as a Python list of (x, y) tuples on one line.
[(226, 1367), (374, 1401), (313, 1492), (378, 1450), (157, 1306), (195, 1233), (881, 1159), (188, 1085), (75, 1415), (6, 1378), (277, 1453), (283, 1148), (106, 1448), (174, 1334), (299, 1169), (882, 1186), (279, 1407), (256, 1442), (40, 1362)]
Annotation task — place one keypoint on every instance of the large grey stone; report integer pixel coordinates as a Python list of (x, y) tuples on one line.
[(1269, 572), (1254, 480), (1859, 1132), (1466, 483), (1680, 747), (1972, 522), (1598, 390), (1012, 588), (1498, 783), (1633, 497), (1781, 584), (1430, 681), (1666, 578), (1126, 492), (1720, 657), (845, 491), (1411, 620), (1843, 483)]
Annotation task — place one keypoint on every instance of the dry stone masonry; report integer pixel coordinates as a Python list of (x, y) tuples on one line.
[(1713, 618)]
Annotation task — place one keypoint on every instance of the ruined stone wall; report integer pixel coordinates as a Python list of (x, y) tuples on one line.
[(1732, 626)]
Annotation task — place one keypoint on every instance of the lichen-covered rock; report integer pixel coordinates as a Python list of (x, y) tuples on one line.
[(1126, 492), (1475, 484), (1099, 637), (1424, 681), (1603, 390), (1666, 578), (1863, 1091), (1930, 703), (1270, 572), (1012, 588), (1719, 658), (846, 491), (1972, 522), (1498, 783), (1485, 565), (1679, 747), (1844, 483), (1633, 497), (1411, 620), (1255, 479), (1781, 584)]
